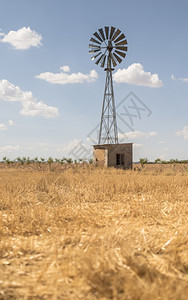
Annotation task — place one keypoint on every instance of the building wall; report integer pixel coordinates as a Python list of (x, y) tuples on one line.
[(125, 149), (100, 157), (105, 155)]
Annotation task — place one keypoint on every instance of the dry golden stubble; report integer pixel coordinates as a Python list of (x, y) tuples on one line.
[(93, 234)]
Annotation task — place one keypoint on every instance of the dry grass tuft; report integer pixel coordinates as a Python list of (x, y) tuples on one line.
[(92, 233)]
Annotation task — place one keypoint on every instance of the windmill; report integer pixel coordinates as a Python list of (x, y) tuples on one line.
[(108, 47)]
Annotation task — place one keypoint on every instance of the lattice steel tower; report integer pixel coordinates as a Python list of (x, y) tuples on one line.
[(109, 46)]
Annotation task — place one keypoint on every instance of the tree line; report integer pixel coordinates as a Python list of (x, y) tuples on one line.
[(27, 160), (144, 161)]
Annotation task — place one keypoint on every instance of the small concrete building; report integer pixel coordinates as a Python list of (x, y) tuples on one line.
[(113, 155)]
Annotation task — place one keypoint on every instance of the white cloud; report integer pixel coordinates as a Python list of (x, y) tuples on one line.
[(65, 69), (136, 75), (3, 127), (8, 148), (11, 123), (173, 77), (64, 78), (183, 132), (22, 39), (76, 149), (184, 79), (92, 140), (70, 146), (136, 135), (30, 106), (181, 79), (163, 156), (34, 109)]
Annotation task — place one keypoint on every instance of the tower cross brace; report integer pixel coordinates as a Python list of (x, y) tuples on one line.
[(108, 126)]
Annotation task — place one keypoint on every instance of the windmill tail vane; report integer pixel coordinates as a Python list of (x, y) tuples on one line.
[(108, 48)]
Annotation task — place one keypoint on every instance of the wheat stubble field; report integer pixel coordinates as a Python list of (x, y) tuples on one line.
[(91, 233)]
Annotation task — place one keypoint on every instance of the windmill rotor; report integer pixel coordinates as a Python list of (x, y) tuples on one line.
[(109, 44)]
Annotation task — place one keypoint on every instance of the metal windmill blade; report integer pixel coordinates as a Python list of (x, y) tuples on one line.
[(95, 56), (120, 53), (112, 31), (103, 61), (94, 50), (113, 60), (95, 41), (98, 36), (99, 59), (116, 34), (93, 46), (122, 43), (106, 31), (121, 37), (118, 58), (102, 33), (121, 48)]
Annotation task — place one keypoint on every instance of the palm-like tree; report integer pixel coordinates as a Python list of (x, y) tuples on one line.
[(158, 160), (36, 159), (23, 160), (62, 161), (8, 161), (28, 161), (18, 159), (50, 162), (4, 159), (69, 160), (143, 161)]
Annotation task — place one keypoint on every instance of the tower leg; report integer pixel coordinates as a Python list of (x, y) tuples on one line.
[(108, 126)]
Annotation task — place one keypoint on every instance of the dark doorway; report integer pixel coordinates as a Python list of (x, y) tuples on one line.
[(119, 159)]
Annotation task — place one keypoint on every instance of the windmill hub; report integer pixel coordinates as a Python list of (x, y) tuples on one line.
[(108, 48)]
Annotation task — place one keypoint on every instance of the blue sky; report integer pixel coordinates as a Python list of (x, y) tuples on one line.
[(46, 110)]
